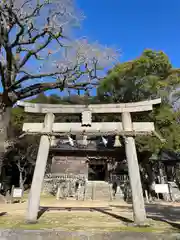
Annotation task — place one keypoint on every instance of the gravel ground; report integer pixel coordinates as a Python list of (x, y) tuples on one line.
[(45, 235)]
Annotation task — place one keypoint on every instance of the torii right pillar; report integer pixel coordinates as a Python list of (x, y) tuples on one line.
[(134, 174)]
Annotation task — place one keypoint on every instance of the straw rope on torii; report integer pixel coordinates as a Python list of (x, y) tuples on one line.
[(86, 128)]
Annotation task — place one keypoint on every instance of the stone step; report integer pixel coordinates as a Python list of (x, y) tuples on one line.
[(98, 190)]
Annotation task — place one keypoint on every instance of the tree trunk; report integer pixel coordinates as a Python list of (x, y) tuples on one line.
[(151, 179), (4, 132), (21, 183), (161, 173), (162, 180), (150, 173)]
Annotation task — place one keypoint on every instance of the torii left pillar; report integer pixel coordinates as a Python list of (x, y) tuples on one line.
[(39, 171)]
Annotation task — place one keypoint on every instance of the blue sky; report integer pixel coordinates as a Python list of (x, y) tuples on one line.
[(134, 25)]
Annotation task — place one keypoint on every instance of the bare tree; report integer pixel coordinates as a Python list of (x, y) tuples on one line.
[(23, 153), (26, 160), (35, 53)]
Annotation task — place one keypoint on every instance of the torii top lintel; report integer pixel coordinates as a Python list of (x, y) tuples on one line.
[(94, 108)]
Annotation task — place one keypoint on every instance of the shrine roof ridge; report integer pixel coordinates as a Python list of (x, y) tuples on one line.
[(95, 108)]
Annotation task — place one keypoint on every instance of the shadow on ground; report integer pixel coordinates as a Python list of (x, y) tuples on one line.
[(3, 214), (157, 212), (45, 209), (167, 214), (114, 215)]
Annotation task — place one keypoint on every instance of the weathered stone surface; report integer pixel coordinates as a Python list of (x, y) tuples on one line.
[(95, 129), (37, 182), (95, 108), (58, 235), (175, 191), (101, 191), (86, 118), (134, 174)]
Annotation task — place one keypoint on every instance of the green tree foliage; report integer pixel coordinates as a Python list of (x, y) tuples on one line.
[(149, 76), (166, 124)]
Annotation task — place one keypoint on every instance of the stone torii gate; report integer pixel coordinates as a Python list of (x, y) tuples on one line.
[(126, 128)]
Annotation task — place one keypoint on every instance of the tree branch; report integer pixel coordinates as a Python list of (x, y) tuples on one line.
[(36, 76), (42, 87), (35, 11), (34, 53), (31, 77), (37, 88), (30, 41), (9, 58), (32, 36), (20, 33), (76, 74), (2, 76)]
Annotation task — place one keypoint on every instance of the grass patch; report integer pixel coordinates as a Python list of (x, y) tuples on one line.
[(74, 222), (146, 229), (49, 196)]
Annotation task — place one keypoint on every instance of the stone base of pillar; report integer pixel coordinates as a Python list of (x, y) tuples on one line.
[(31, 222)]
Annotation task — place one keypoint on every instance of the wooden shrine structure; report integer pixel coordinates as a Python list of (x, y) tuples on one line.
[(86, 128), (96, 161)]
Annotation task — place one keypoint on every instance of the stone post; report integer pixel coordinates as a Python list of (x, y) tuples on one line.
[(58, 193), (134, 174), (39, 171), (118, 191)]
